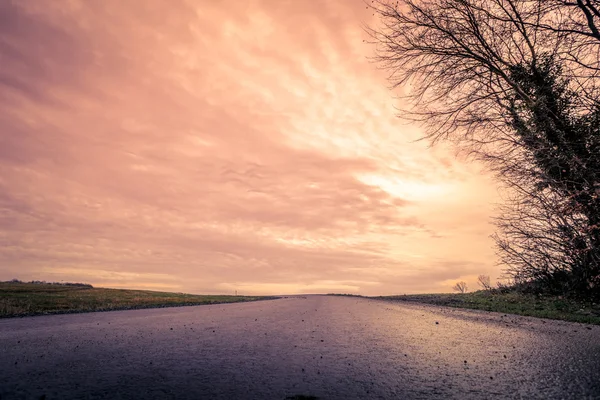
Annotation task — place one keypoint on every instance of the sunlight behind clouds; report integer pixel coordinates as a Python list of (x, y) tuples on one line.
[(219, 147), (409, 190)]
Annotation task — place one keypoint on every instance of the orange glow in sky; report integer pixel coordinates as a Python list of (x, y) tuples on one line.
[(214, 146)]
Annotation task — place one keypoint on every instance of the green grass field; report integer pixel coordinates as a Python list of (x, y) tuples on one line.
[(21, 299), (512, 303)]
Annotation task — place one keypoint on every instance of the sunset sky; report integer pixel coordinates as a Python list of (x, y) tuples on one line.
[(213, 146)]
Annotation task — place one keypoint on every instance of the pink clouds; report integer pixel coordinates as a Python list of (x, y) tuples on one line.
[(211, 146)]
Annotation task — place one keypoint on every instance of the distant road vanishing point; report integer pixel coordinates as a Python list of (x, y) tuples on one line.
[(322, 346)]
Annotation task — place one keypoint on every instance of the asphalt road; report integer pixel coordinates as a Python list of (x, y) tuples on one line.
[(328, 347)]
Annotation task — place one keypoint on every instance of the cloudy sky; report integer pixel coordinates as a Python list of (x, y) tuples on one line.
[(213, 146)]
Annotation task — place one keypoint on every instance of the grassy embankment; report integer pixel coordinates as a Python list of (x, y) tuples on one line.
[(20, 299), (551, 307)]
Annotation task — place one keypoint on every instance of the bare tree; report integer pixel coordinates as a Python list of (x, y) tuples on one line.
[(484, 282), (513, 83), (460, 287)]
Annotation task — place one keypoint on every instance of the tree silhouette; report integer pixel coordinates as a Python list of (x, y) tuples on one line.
[(460, 287), (513, 83)]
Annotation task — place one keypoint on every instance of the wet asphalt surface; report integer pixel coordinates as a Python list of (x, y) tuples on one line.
[(328, 347)]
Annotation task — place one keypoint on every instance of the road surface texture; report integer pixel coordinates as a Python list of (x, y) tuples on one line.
[(323, 346)]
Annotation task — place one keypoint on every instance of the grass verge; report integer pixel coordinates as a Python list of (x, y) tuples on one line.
[(512, 303), (24, 299)]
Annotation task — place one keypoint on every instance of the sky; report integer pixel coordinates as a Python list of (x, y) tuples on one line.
[(221, 146)]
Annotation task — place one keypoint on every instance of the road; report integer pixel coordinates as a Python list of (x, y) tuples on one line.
[(323, 346)]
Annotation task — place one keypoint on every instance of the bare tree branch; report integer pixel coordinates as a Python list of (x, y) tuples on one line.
[(513, 83)]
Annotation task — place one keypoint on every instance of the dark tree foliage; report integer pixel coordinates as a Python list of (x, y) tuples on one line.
[(565, 150), (513, 83)]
